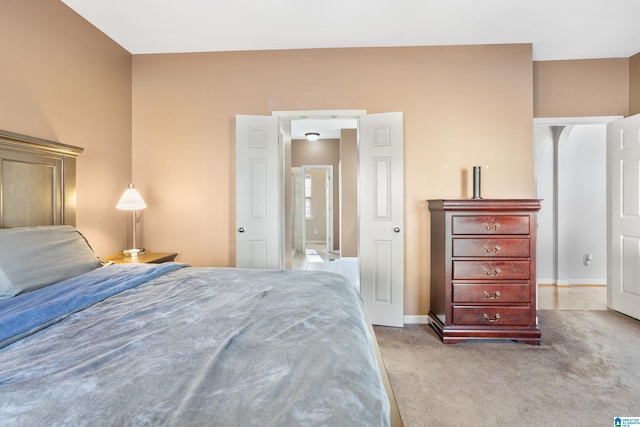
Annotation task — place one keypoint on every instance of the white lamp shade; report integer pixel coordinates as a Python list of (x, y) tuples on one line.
[(131, 200)]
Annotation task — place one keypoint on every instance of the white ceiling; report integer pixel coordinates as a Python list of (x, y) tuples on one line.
[(557, 29), (327, 128)]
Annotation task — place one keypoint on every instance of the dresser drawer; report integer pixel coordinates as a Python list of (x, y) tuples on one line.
[(491, 316), (491, 293), (491, 248), (491, 270), (486, 224)]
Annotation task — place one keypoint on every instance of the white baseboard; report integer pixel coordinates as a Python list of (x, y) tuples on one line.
[(572, 282), (589, 282), (416, 319)]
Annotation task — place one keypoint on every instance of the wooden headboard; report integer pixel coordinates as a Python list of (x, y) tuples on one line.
[(37, 181)]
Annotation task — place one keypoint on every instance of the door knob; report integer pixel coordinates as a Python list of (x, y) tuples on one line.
[(241, 230), (396, 229)]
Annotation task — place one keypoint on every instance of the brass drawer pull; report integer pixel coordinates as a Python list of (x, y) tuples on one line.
[(488, 319), (490, 227), (494, 251), (495, 295), (491, 273)]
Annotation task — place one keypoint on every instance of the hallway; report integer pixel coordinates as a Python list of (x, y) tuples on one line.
[(323, 261), (572, 297)]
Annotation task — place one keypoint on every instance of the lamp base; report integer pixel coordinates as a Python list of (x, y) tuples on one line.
[(133, 252)]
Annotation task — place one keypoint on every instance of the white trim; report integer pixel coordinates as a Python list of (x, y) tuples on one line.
[(566, 121), (588, 282), (578, 282), (419, 319), (315, 114)]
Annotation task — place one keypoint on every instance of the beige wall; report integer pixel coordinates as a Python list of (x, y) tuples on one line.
[(463, 106), (62, 80), (577, 88), (634, 85), (349, 193)]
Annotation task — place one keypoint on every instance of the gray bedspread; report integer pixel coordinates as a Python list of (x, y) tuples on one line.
[(202, 347)]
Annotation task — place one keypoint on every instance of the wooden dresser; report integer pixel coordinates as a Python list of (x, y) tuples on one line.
[(483, 269)]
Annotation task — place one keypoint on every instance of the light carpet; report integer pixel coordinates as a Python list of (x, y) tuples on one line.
[(585, 373)]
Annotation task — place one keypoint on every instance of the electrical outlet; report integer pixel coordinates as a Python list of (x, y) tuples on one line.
[(587, 259)]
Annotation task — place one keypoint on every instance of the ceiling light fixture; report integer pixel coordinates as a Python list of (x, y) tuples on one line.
[(312, 136)]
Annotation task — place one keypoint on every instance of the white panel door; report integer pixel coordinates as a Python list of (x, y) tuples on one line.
[(623, 157), (257, 192), (381, 235)]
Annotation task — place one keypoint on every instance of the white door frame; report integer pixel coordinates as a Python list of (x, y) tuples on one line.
[(329, 238)]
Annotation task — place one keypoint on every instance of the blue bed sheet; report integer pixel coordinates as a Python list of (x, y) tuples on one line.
[(27, 313)]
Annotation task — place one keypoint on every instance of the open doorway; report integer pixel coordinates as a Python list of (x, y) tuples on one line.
[(324, 196), (263, 210), (571, 176), (313, 209)]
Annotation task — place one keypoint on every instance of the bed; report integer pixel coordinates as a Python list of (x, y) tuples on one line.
[(84, 343)]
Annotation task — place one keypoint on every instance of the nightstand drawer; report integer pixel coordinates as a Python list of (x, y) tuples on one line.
[(491, 248), (491, 293), (491, 270), (485, 224), (492, 315)]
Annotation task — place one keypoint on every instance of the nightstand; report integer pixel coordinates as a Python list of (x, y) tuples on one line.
[(147, 257)]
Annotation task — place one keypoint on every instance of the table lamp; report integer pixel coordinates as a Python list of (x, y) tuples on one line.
[(132, 201)]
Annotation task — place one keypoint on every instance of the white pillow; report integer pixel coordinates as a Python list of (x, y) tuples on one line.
[(35, 257)]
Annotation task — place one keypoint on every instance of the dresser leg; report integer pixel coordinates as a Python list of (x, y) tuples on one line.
[(530, 342)]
